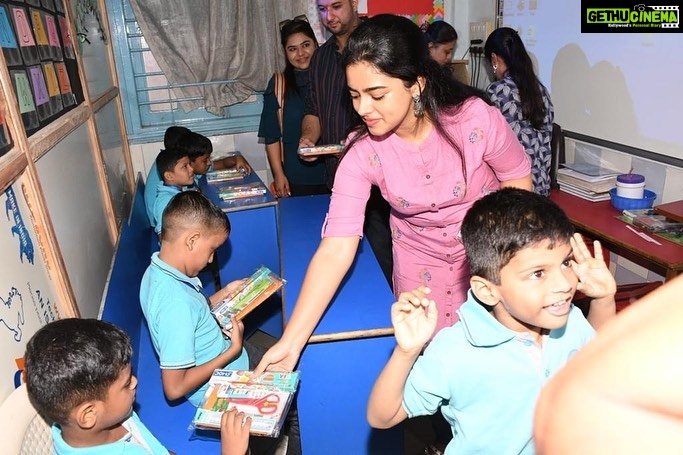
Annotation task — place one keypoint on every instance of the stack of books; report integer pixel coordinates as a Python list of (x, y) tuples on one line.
[(587, 181)]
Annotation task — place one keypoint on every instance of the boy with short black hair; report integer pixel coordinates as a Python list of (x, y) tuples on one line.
[(78, 377), (516, 329), (199, 149), (171, 137), (187, 338), (176, 173)]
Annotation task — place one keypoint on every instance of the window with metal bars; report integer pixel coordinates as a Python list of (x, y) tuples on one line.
[(150, 105)]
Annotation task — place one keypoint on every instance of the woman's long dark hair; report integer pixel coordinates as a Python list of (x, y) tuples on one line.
[(506, 44), (440, 32), (398, 48), (290, 28)]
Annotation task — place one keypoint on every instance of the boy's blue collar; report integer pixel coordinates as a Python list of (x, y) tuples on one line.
[(195, 282)]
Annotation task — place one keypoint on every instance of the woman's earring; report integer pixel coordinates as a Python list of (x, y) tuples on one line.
[(495, 67), (418, 108)]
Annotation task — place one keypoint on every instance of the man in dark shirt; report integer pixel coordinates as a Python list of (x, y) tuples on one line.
[(326, 119)]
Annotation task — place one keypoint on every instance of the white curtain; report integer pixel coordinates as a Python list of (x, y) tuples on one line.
[(212, 40)]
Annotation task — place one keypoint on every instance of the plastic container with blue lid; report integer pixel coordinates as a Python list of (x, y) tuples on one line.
[(631, 186)]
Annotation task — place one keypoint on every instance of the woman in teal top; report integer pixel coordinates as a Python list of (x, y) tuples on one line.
[(294, 177)]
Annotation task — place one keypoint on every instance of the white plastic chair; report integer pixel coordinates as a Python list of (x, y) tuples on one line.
[(22, 430)]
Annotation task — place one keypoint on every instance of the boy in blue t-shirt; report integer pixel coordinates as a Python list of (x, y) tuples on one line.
[(199, 149), (186, 337), (177, 174), (78, 378), (171, 137), (516, 329)]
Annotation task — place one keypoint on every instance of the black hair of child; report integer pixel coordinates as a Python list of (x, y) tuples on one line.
[(503, 222), (70, 361)]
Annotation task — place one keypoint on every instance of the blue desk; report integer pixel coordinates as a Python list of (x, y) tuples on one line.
[(348, 348), (253, 242)]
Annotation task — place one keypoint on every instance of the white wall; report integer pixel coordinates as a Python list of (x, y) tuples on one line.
[(69, 181)]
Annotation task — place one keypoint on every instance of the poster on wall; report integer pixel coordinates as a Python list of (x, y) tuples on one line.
[(419, 11), (39, 52), (27, 295)]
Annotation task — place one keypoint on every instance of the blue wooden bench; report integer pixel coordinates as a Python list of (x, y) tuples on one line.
[(168, 421)]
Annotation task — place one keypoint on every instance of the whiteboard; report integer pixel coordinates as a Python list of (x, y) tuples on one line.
[(620, 87)]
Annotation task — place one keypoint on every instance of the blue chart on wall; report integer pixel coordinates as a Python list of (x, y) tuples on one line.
[(39, 51)]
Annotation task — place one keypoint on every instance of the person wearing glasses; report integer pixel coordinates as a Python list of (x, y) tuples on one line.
[(283, 109), (328, 117), (523, 100)]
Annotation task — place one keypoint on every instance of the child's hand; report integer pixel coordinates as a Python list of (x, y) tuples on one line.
[(414, 319), (235, 433), (236, 332), (231, 287), (242, 165), (225, 292), (595, 279)]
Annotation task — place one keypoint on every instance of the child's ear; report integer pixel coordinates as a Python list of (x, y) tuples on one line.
[(168, 175), (191, 238), (85, 415), (484, 290)]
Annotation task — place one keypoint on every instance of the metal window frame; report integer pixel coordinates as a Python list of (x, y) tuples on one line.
[(143, 124)]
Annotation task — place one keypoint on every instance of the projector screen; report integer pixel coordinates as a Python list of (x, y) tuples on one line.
[(620, 87)]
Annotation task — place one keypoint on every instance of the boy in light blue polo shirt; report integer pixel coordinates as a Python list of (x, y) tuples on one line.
[(187, 338), (516, 329), (171, 137), (199, 149), (177, 174), (78, 377)]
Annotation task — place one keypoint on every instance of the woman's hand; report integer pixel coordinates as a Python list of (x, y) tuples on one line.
[(280, 357), (281, 186)]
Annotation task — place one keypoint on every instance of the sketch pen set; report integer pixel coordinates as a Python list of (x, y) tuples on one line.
[(230, 192), (250, 294), (266, 399), (224, 175), (330, 149)]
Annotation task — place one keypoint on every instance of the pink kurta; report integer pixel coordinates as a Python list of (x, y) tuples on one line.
[(425, 186)]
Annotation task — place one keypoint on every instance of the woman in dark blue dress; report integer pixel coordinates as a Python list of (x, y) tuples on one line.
[(291, 175)]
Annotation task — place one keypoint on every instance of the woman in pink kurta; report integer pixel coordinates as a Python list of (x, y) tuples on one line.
[(425, 186), (433, 146)]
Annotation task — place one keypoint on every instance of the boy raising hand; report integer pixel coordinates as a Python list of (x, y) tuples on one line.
[(516, 329)]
